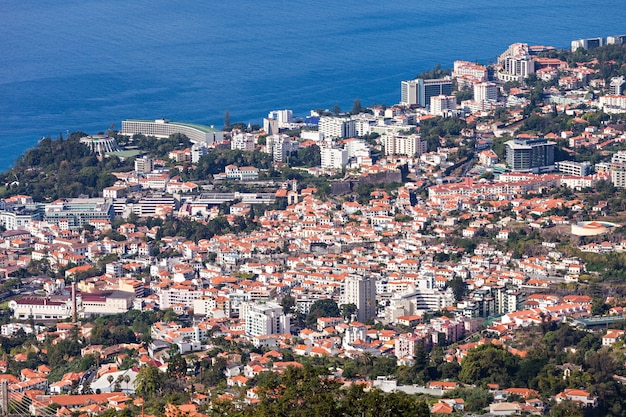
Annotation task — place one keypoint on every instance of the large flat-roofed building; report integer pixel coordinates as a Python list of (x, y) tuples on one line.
[(485, 92), (617, 86), (163, 128), (74, 213), (579, 169), (588, 43), (618, 174), (418, 92), (41, 308), (411, 145), (109, 302), (442, 105), (100, 144), (337, 127), (515, 63), (530, 154), (360, 291), (333, 158), (264, 319), (616, 40), (19, 217)]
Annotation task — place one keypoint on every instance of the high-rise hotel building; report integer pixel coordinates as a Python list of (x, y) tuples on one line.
[(163, 128), (515, 63), (531, 154), (418, 92)]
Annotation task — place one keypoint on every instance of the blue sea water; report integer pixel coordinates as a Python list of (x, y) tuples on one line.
[(86, 64)]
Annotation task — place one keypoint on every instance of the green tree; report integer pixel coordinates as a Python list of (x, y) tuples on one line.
[(177, 367), (227, 119), (476, 399), (356, 106), (347, 310), (288, 302), (489, 364), (149, 381), (322, 308), (459, 287)]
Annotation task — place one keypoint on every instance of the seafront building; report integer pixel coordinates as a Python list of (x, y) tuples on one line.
[(163, 128), (100, 144), (283, 117), (468, 73), (418, 92), (515, 63)]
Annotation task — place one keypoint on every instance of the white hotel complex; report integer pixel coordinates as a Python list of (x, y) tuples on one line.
[(163, 128)]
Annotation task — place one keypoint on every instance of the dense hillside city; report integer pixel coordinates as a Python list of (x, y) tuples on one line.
[(462, 252)]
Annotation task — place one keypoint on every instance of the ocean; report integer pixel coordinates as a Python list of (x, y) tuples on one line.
[(87, 65)]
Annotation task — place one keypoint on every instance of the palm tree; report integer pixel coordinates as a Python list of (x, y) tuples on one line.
[(118, 382), (110, 379), (126, 380)]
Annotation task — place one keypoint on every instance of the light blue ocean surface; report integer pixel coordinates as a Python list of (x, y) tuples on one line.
[(85, 64)]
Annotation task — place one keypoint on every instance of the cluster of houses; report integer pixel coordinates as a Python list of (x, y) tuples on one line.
[(395, 259)]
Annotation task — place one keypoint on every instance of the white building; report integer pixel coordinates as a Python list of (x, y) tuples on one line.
[(314, 135), (284, 117), (357, 149), (410, 145), (198, 150), (163, 128), (144, 165), (14, 218), (100, 144), (618, 175), (488, 158), (264, 319), (579, 169), (333, 158), (337, 127), (270, 126), (613, 104), (617, 86), (243, 142), (471, 71), (280, 146), (41, 308), (178, 294), (117, 302), (587, 43), (441, 105), (515, 63), (618, 157), (418, 92), (74, 213), (360, 291), (485, 92), (233, 172)]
